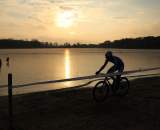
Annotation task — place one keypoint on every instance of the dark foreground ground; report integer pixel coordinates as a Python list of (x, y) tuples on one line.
[(76, 110)]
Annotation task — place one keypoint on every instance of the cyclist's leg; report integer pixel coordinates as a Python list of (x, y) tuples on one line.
[(112, 69), (118, 69), (113, 78), (118, 77)]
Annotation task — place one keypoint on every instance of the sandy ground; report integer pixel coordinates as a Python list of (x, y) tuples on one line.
[(76, 110)]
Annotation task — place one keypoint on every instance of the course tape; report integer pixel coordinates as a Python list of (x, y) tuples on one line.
[(83, 77)]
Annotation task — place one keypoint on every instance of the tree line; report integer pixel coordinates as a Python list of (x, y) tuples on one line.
[(149, 42)]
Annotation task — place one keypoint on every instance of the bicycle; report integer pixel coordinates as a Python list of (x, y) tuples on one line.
[(102, 88)]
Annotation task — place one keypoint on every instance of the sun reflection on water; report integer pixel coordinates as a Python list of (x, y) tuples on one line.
[(67, 64)]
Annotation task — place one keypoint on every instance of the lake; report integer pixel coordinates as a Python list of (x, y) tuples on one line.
[(32, 65)]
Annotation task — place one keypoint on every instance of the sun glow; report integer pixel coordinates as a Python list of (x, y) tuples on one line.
[(65, 19)]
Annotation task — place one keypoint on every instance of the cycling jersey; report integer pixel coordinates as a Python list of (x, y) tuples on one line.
[(118, 63)]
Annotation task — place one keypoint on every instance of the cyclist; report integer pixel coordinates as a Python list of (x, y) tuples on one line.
[(118, 65)]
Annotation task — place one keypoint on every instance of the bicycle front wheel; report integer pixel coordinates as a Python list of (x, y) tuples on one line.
[(100, 91)]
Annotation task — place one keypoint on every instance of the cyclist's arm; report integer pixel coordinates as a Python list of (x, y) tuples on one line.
[(105, 63)]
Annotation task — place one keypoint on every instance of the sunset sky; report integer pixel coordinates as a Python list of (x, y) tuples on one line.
[(87, 21)]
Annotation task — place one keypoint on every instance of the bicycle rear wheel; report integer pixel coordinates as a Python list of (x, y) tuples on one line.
[(123, 86), (100, 91)]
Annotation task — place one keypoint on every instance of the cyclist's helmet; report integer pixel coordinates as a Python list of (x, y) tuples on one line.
[(108, 54)]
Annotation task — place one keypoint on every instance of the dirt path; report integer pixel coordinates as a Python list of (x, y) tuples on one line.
[(76, 110)]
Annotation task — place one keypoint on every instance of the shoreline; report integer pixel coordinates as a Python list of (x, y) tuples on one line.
[(75, 109), (79, 85)]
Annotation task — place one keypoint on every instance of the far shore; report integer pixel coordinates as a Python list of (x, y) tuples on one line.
[(82, 48), (75, 109)]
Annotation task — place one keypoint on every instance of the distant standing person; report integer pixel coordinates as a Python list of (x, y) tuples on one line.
[(0, 63), (7, 60)]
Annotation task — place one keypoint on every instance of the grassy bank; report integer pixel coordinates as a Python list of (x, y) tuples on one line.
[(75, 109)]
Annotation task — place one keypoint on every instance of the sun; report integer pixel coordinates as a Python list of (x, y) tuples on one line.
[(65, 19)]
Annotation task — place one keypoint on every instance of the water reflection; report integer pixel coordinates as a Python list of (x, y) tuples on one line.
[(67, 64)]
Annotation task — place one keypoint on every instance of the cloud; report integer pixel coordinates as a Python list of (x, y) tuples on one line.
[(121, 17), (35, 18), (66, 7), (17, 15)]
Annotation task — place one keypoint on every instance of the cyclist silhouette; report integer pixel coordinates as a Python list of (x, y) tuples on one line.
[(118, 65), (119, 85)]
